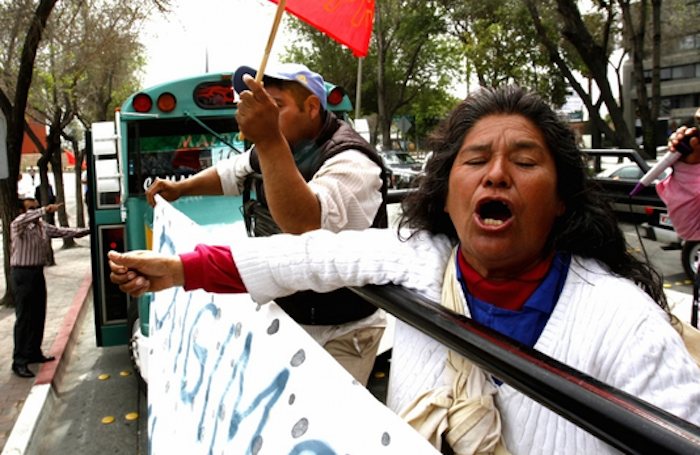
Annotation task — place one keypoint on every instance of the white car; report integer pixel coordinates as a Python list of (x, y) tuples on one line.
[(627, 171), (618, 180)]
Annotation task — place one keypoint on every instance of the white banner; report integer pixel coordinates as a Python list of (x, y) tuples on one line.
[(228, 376)]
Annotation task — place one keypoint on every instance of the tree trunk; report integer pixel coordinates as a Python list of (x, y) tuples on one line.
[(597, 124), (55, 156), (78, 171), (9, 210), (595, 58), (384, 123), (43, 165), (655, 65), (79, 196)]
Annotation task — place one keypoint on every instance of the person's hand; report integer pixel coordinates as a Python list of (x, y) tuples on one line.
[(138, 272), (169, 190), (678, 135), (52, 208), (258, 114)]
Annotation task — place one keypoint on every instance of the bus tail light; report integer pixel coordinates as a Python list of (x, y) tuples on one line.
[(335, 96), (166, 102), (142, 103)]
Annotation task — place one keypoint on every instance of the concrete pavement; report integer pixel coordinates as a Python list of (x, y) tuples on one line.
[(22, 401)]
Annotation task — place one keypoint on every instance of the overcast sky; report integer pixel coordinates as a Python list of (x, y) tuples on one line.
[(231, 32)]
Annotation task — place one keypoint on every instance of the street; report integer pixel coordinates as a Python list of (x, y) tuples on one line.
[(97, 406)]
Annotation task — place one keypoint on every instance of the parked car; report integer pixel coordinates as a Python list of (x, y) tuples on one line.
[(402, 168), (617, 180), (627, 171)]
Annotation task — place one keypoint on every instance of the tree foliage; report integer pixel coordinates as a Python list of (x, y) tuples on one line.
[(89, 59), (411, 61), (544, 45), (502, 47)]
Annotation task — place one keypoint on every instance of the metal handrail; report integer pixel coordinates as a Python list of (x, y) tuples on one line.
[(632, 154), (622, 420)]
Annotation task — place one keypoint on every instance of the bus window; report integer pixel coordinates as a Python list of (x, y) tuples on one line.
[(177, 149), (218, 94)]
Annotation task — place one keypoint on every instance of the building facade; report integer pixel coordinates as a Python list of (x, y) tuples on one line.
[(680, 71)]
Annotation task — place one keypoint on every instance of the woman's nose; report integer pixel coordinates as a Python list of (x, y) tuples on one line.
[(497, 174)]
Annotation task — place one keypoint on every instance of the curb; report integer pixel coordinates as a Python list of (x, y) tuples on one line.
[(40, 399)]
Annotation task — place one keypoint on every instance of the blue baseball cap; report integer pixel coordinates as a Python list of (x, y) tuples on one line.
[(285, 72)]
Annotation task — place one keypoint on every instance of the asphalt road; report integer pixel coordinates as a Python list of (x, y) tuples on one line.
[(97, 407), (666, 262)]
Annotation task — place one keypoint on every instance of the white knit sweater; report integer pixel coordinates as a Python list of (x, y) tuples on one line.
[(602, 325)]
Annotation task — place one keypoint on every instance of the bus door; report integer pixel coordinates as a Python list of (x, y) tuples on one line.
[(108, 231)]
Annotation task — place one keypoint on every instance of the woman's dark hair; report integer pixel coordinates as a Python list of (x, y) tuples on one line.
[(588, 228)]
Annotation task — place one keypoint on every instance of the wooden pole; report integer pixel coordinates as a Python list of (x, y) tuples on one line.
[(271, 40), (358, 89), (268, 48)]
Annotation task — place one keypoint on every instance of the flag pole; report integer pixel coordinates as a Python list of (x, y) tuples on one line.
[(271, 39), (268, 47), (358, 88)]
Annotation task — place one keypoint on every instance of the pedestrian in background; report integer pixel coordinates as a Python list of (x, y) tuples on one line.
[(29, 235)]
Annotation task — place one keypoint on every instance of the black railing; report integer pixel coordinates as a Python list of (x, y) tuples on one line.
[(620, 419), (618, 190), (631, 154)]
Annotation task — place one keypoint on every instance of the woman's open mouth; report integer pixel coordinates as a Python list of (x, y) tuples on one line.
[(494, 213)]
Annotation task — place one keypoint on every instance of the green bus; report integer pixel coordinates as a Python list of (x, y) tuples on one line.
[(170, 131)]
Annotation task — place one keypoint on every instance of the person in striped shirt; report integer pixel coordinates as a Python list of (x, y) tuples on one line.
[(30, 235)]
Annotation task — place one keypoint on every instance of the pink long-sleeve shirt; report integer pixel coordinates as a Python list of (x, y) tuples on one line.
[(680, 191)]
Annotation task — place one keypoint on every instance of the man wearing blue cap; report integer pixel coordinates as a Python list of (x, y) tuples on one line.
[(308, 170)]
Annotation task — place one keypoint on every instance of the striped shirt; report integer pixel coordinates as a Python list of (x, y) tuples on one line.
[(30, 234)]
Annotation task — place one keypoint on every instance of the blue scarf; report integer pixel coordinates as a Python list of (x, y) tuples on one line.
[(525, 325)]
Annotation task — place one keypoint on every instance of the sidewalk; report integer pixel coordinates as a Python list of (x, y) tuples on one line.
[(68, 284)]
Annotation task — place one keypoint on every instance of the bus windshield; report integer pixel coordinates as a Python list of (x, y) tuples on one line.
[(177, 148)]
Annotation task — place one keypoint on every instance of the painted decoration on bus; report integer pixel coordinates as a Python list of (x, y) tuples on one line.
[(215, 95), (230, 376)]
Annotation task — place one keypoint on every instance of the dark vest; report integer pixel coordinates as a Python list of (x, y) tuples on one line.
[(307, 307)]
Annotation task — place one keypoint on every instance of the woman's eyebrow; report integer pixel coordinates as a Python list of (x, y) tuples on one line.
[(476, 147), (528, 144), (517, 145)]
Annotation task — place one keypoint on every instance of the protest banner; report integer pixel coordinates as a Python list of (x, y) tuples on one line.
[(230, 376)]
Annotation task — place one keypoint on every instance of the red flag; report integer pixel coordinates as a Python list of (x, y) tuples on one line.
[(347, 21)]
